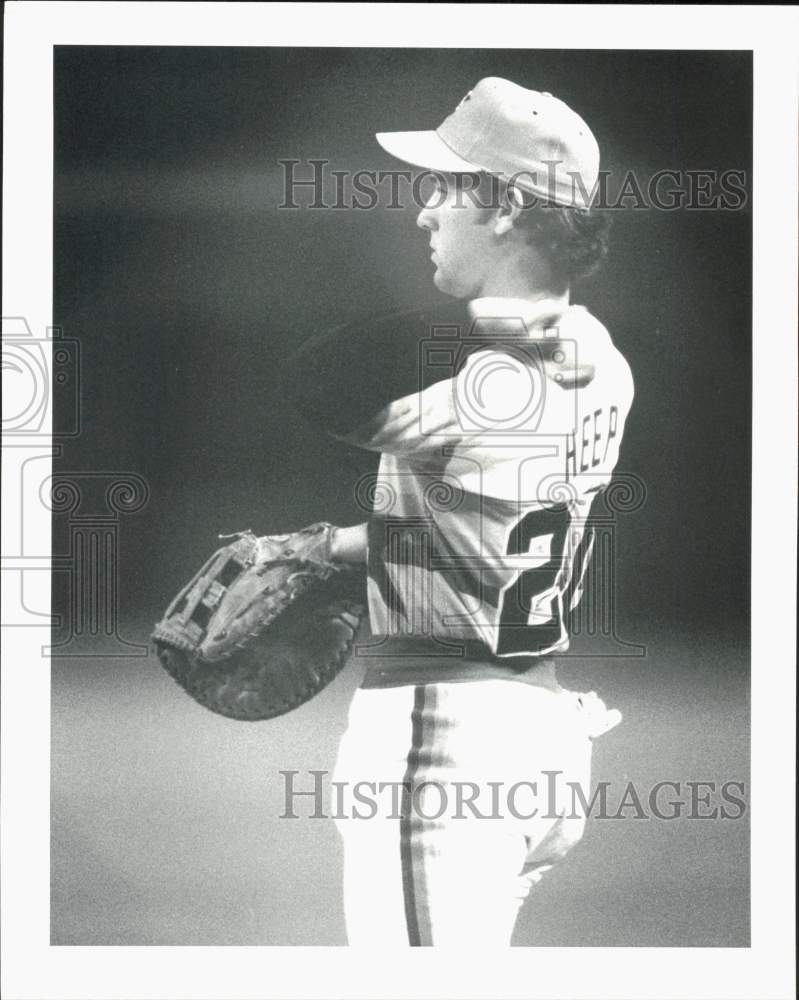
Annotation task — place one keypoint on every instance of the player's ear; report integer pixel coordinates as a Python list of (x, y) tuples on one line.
[(508, 211)]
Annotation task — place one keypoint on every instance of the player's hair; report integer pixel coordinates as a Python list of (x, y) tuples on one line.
[(574, 240)]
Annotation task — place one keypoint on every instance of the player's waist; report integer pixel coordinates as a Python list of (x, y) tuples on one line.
[(410, 660)]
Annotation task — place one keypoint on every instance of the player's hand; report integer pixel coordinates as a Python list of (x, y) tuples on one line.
[(349, 544)]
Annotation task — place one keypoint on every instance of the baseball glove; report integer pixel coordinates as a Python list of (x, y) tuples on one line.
[(265, 624)]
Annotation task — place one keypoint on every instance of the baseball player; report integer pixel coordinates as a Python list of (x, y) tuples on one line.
[(498, 416)]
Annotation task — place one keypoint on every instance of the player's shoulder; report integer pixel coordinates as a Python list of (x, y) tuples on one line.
[(596, 347)]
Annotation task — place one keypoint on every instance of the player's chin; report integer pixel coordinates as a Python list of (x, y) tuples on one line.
[(447, 286)]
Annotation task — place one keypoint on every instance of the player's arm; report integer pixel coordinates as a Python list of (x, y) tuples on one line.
[(469, 409), (361, 383), (498, 380), (341, 379), (344, 379), (419, 423)]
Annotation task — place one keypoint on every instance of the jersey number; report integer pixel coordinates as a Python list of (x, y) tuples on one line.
[(537, 589)]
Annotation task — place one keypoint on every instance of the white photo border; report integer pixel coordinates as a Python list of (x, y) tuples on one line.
[(32, 969)]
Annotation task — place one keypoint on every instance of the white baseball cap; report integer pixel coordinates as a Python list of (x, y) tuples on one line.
[(522, 135)]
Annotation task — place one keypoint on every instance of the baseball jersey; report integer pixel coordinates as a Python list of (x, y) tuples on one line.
[(479, 527)]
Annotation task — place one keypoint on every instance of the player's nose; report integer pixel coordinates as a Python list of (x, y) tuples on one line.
[(425, 219)]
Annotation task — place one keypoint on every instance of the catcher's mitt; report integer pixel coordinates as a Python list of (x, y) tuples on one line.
[(265, 624)]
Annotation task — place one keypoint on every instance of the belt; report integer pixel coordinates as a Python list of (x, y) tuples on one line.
[(408, 660)]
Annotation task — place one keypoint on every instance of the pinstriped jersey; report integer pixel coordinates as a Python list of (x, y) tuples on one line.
[(480, 509)]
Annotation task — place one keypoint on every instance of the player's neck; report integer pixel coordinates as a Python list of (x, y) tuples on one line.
[(527, 279)]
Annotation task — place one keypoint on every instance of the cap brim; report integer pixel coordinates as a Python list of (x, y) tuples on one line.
[(425, 149)]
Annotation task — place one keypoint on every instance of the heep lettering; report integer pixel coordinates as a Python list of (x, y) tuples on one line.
[(597, 430)]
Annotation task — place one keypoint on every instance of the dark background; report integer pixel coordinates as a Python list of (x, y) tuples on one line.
[(185, 285)]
